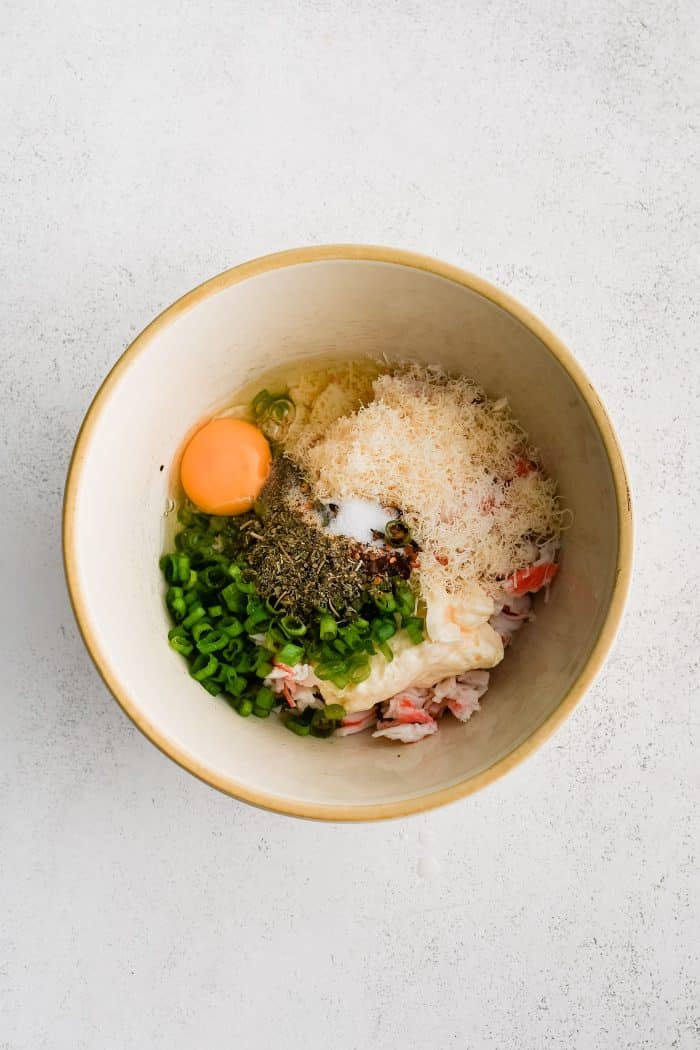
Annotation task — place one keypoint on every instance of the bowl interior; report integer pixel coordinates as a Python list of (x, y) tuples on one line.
[(179, 370)]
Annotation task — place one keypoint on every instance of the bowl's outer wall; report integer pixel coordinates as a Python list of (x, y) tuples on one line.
[(212, 343)]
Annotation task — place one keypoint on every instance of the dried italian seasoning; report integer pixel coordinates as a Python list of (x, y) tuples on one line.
[(298, 567)]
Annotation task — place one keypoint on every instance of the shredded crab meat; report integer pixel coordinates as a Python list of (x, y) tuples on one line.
[(405, 732), (462, 694), (296, 684), (405, 708), (357, 722), (414, 713), (510, 616)]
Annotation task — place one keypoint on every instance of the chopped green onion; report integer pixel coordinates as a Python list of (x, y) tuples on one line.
[(232, 681), (295, 726), (211, 687), (386, 651), (235, 685), (360, 673), (351, 636), (176, 602), (181, 644), (397, 532), (245, 707), (323, 719), (233, 597), (281, 408), (261, 712), (197, 614), (274, 415), (244, 663), (188, 515), (383, 630), (405, 598), (385, 601), (262, 668), (176, 568), (201, 628), (236, 573), (324, 671), (256, 623), (414, 629), (293, 627), (215, 611), (178, 631), (212, 642), (231, 626), (183, 568), (265, 698), (193, 539), (213, 578), (260, 403), (327, 627), (168, 565), (254, 606), (191, 581), (274, 638), (332, 670), (204, 667), (290, 654), (192, 598), (322, 730), (217, 523), (233, 650)]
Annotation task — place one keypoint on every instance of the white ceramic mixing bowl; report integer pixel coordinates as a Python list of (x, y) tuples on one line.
[(345, 299)]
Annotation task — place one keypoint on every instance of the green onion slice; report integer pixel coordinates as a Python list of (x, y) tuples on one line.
[(397, 532)]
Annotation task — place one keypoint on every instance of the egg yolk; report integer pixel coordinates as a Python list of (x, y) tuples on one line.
[(225, 465)]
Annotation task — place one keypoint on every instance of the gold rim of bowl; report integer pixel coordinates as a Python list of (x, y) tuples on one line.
[(229, 785)]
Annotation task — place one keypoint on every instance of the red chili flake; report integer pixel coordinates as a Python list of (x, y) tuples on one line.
[(524, 466)]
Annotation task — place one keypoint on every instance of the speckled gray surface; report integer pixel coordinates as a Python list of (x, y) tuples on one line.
[(551, 147)]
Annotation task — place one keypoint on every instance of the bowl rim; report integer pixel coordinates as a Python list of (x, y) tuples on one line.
[(469, 785)]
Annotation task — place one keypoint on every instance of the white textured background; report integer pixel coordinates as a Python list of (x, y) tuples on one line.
[(550, 146)]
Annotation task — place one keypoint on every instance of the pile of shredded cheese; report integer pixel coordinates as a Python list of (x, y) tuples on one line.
[(457, 464), (323, 395)]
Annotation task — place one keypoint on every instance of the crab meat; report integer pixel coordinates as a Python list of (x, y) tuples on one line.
[(404, 718), (460, 695), (535, 576), (296, 684), (406, 732), (510, 617), (357, 722), (407, 707)]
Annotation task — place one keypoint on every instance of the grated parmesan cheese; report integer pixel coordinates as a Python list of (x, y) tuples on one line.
[(436, 447), (322, 396)]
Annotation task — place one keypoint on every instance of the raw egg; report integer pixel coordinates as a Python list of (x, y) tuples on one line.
[(225, 465)]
